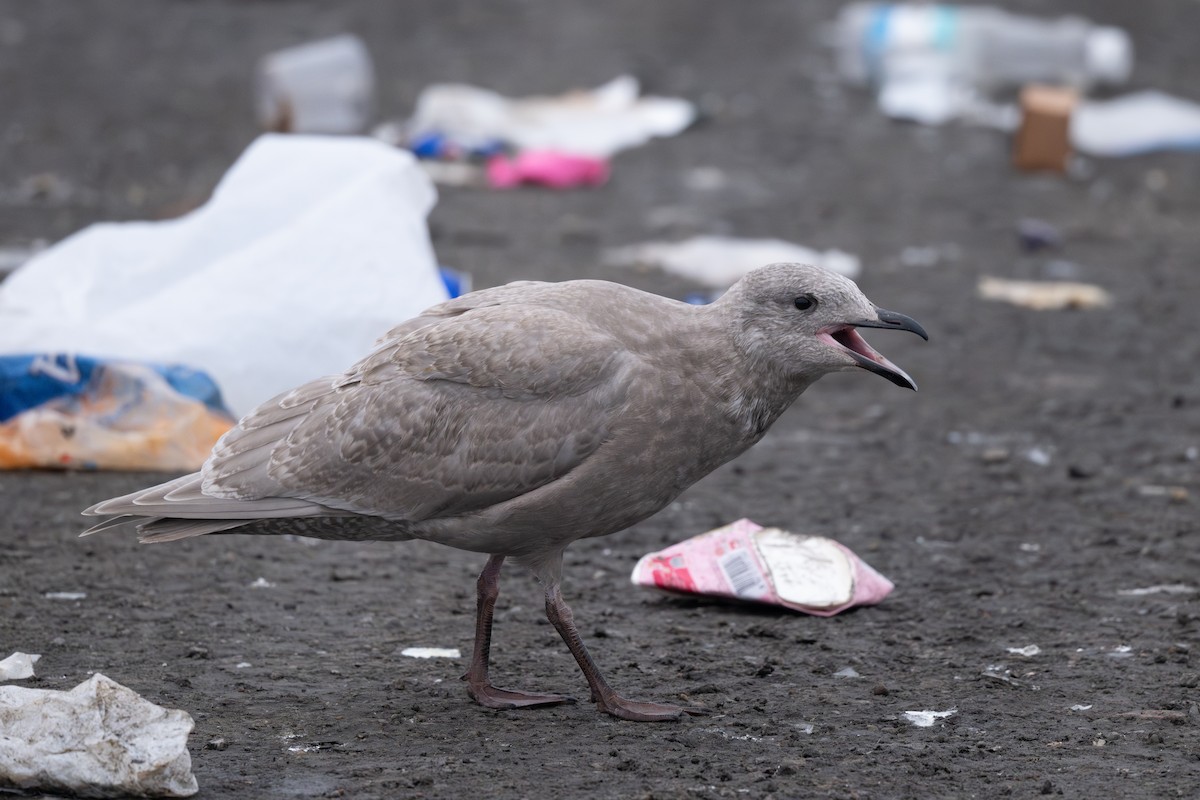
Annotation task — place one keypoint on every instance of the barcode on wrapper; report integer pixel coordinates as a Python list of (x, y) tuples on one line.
[(742, 574)]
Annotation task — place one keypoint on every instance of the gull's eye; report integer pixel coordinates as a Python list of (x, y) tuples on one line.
[(805, 301)]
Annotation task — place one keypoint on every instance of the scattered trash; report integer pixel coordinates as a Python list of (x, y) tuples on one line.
[(997, 672), (847, 672), (65, 595), (745, 561), (248, 287), (81, 413), (431, 652), (1039, 455), (1176, 494), (929, 255), (1120, 651), (719, 261), (455, 173), (99, 739), (18, 666), (1081, 707), (1043, 139), (1141, 122), (596, 123), (546, 168), (1036, 234), (327, 86), (929, 63), (1165, 588), (1044, 295), (262, 583), (1028, 651), (925, 719)]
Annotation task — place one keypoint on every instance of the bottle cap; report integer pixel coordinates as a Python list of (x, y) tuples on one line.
[(1109, 55)]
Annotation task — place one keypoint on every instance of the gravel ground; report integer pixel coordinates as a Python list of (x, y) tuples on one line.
[(1007, 499)]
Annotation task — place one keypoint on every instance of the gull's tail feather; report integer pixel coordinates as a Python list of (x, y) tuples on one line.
[(178, 509)]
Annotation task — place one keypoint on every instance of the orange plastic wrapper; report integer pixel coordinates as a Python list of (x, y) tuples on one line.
[(746, 561), (127, 418)]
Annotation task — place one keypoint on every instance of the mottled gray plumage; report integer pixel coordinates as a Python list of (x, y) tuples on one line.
[(515, 420)]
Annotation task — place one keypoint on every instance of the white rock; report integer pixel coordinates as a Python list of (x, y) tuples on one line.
[(99, 739)]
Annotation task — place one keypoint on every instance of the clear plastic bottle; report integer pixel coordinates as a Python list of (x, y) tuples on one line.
[(980, 46)]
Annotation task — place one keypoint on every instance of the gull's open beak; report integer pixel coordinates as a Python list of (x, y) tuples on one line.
[(867, 357)]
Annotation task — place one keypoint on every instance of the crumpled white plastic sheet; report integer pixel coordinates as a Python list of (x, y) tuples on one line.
[(597, 122), (310, 249), (18, 666), (99, 739)]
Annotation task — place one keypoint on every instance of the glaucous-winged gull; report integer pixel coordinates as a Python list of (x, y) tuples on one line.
[(513, 421)]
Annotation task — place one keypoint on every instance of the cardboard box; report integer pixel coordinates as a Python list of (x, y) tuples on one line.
[(1043, 140)]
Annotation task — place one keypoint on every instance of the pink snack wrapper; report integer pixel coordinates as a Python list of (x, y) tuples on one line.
[(746, 561), (546, 168)]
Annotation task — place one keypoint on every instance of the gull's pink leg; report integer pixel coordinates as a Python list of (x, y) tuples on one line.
[(478, 685), (603, 695)]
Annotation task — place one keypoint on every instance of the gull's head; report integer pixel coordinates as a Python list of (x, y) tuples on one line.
[(803, 320)]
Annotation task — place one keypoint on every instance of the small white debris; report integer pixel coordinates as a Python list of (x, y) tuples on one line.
[(242, 665), (1165, 588), (18, 666), (304, 748), (847, 672), (804, 727), (1120, 651), (431, 652), (1176, 494), (65, 595), (1038, 455), (262, 583), (1030, 547), (925, 719), (1081, 707), (1027, 651)]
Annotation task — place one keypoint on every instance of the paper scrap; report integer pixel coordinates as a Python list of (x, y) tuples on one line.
[(431, 652), (925, 719)]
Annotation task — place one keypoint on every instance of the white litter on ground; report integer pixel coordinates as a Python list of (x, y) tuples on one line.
[(262, 583), (431, 652), (1165, 588), (1044, 295), (719, 261), (1081, 707), (1027, 651), (18, 666), (65, 595), (99, 739), (925, 719), (598, 122)]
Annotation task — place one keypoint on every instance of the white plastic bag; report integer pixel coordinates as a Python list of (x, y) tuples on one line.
[(310, 248)]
